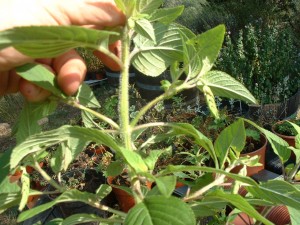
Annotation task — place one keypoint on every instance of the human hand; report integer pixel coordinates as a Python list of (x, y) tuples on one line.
[(69, 67)]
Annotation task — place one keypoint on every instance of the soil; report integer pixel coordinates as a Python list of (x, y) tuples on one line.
[(251, 146)]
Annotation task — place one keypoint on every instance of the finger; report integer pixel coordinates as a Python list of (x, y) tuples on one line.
[(13, 82), (3, 82), (83, 12), (107, 61), (71, 71), (32, 92)]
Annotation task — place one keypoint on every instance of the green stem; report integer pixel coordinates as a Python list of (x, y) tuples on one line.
[(98, 115), (52, 182), (106, 208), (124, 91)]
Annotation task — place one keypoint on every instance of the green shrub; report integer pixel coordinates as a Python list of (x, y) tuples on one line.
[(265, 60)]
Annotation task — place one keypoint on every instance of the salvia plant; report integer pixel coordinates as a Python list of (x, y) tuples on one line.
[(158, 44)]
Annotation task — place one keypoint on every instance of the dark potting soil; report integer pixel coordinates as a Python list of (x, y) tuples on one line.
[(93, 180)]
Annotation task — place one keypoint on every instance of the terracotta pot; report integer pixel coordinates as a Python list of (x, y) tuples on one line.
[(279, 215), (241, 219), (289, 139), (261, 152), (125, 200), (30, 169)]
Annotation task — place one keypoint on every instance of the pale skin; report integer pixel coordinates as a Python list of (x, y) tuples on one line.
[(69, 68)]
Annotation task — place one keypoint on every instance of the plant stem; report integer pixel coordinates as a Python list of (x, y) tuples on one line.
[(106, 208), (124, 90), (38, 168)]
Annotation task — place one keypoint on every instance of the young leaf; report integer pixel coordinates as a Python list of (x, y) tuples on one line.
[(210, 101), (40, 76), (166, 15), (4, 166), (279, 146), (145, 28), (134, 160), (224, 85), (39, 142), (152, 58), (294, 215), (51, 41), (239, 202), (208, 46), (151, 159), (166, 185), (67, 196), (27, 123), (8, 200), (279, 192), (25, 189), (147, 6), (160, 210), (232, 137)]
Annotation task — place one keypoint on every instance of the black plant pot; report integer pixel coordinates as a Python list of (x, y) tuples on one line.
[(113, 77), (150, 88)]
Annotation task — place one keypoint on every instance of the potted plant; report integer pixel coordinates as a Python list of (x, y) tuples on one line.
[(286, 131), (159, 43)]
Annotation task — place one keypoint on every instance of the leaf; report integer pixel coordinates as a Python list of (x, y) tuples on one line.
[(297, 137), (8, 200), (39, 142), (67, 196), (148, 6), (166, 15), (153, 58), (40, 76), (151, 159), (208, 206), (145, 28), (200, 139), (279, 146), (126, 6), (166, 185), (207, 46), (51, 41), (86, 96), (7, 187), (239, 202), (210, 101), (279, 192), (25, 189), (161, 210), (115, 168), (134, 160), (86, 219), (294, 215), (103, 191), (4, 166), (31, 113), (224, 85), (232, 137)]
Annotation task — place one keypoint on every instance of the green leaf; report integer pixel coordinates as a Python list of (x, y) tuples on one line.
[(239, 202), (200, 139), (86, 96), (103, 191), (209, 206), (147, 6), (166, 15), (7, 187), (161, 210), (145, 28), (134, 160), (232, 137), (86, 219), (51, 41), (166, 185), (279, 146), (115, 168), (4, 166), (31, 113), (8, 200), (153, 58), (207, 46), (40, 76), (127, 6), (151, 159), (25, 189), (294, 215), (224, 85), (210, 101), (279, 192), (67, 196), (39, 142)]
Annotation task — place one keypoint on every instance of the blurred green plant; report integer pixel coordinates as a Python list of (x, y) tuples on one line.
[(265, 60), (93, 64)]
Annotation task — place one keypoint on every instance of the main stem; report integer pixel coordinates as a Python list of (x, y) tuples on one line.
[(124, 93)]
